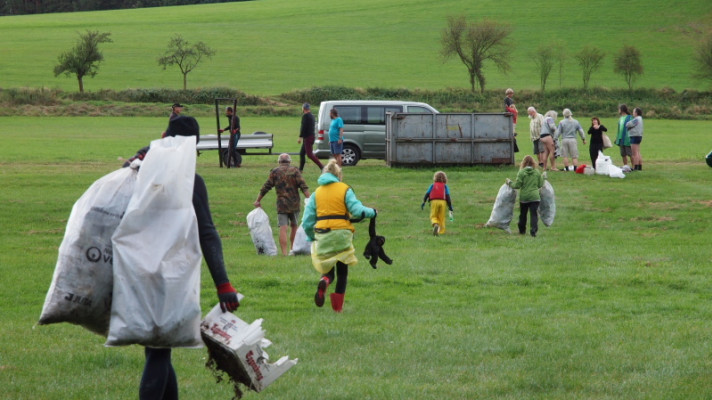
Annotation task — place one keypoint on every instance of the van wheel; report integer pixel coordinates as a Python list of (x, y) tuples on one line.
[(350, 155)]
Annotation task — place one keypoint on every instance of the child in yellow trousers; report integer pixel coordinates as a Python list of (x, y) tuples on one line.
[(438, 195)]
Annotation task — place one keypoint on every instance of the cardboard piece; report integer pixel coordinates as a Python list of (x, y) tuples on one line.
[(238, 349)]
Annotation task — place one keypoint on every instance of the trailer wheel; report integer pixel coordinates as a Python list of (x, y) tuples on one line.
[(235, 163)]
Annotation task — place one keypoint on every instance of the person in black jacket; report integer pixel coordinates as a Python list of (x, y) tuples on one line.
[(306, 138), (159, 379)]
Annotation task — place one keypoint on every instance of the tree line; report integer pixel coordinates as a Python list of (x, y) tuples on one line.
[(21, 7)]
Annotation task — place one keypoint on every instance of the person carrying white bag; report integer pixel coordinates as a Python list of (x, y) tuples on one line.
[(157, 240)]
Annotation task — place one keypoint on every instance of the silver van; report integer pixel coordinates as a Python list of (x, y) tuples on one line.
[(364, 126)]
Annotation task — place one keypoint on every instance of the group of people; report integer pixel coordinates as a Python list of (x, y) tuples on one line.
[(549, 137)]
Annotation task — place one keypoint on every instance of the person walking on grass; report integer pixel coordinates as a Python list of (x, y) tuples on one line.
[(306, 138), (635, 133), (287, 181), (327, 224), (336, 135), (567, 129), (537, 120), (159, 380), (622, 138), (438, 194), (528, 181)]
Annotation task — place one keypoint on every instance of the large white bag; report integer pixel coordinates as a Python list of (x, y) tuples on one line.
[(547, 205), (301, 244), (503, 208), (602, 163), (81, 287), (237, 348), (261, 232), (157, 254)]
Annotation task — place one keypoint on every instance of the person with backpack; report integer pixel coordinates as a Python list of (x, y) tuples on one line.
[(438, 194)]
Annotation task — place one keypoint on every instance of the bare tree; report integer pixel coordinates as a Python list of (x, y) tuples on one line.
[(184, 55), (627, 63), (476, 43), (84, 58), (589, 58), (703, 59), (544, 60), (559, 49)]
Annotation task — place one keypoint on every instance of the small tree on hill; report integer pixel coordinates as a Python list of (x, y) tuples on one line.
[(589, 58), (559, 49), (184, 55), (476, 43), (84, 58), (703, 59), (627, 63), (544, 60)]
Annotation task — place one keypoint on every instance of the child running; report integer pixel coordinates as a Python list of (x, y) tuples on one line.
[(529, 181), (438, 195)]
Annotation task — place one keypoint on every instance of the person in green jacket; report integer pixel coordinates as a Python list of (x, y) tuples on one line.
[(528, 181), (622, 138)]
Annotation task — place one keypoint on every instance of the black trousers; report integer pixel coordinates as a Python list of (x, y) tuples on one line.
[(159, 380), (342, 273), (593, 150), (531, 208)]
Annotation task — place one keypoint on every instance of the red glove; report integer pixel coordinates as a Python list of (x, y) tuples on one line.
[(228, 297)]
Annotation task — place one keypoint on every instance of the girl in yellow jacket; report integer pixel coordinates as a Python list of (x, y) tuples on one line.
[(326, 222)]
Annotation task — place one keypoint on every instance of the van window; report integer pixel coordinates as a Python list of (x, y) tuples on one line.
[(418, 109), (350, 114), (376, 115)]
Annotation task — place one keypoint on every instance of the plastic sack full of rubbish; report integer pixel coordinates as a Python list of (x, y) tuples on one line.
[(157, 254), (503, 208), (236, 348), (547, 205), (258, 222), (602, 163), (80, 292), (301, 244)]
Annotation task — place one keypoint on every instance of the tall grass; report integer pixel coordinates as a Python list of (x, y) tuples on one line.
[(610, 302)]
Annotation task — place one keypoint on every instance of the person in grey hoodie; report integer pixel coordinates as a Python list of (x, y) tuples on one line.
[(528, 181), (567, 129), (635, 132)]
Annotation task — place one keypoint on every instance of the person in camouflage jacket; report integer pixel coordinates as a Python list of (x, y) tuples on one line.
[(287, 181)]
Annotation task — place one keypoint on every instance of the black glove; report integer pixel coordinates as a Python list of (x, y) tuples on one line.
[(422, 206), (228, 297)]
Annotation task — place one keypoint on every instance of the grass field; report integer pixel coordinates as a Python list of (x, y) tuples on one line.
[(269, 47), (610, 302)]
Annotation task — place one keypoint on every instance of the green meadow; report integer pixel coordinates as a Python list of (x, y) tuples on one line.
[(268, 47), (610, 302)]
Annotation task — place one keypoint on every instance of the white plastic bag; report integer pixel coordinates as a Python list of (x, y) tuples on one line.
[(261, 232), (615, 172), (547, 205), (301, 244), (81, 287), (238, 349), (157, 254), (503, 208), (602, 163)]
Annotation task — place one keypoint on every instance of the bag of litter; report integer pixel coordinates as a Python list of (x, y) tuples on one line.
[(157, 254), (503, 208), (237, 349), (81, 287), (301, 244), (261, 232), (547, 205), (615, 172), (602, 163)]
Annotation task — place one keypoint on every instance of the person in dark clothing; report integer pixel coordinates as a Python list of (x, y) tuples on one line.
[(159, 379), (233, 126), (306, 138), (596, 131)]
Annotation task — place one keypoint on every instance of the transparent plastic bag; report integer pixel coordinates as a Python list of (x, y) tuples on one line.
[(503, 209), (547, 205)]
